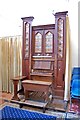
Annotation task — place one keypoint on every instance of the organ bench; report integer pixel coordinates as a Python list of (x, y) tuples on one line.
[(32, 85)]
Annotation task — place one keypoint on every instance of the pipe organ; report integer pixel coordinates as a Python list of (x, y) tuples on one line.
[(44, 52)]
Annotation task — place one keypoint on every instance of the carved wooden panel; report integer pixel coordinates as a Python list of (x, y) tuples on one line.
[(42, 65)]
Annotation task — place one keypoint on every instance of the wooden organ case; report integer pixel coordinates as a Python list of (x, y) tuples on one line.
[(44, 52)]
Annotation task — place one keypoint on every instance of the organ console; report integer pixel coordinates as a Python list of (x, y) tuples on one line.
[(43, 60), (44, 52)]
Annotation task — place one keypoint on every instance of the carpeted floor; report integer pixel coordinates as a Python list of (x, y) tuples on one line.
[(17, 113)]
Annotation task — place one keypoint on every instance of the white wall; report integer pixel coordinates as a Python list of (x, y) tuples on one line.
[(11, 12), (73, 17)]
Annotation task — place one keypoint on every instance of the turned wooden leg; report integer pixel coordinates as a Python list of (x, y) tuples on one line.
[(26, 94), (15, 97)]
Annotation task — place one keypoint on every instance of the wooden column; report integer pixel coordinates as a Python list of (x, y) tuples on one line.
[(26, 45), (60, 52)]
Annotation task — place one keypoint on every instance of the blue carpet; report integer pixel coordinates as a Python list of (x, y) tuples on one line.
[(11, 113)]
